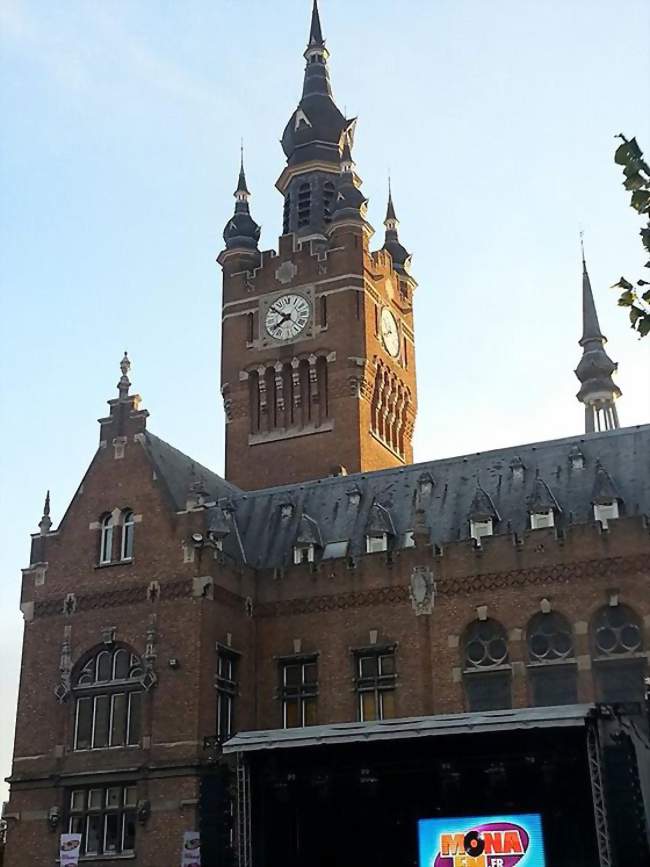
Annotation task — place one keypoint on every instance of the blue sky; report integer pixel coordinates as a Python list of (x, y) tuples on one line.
[(118, 159)]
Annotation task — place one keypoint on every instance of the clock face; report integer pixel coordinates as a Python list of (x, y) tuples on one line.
[(287, 317), (389, 332)]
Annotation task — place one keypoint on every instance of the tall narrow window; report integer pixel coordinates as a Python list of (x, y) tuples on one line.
[(250, 327), (106, 540), (286, 217), (328, 199), (128, 529), (304, 205), (487, 672), (299, 691), (323, 311), (107, 692), (226, 683), (375, 682)]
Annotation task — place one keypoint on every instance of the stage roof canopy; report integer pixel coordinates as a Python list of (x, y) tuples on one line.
[(562, 716)]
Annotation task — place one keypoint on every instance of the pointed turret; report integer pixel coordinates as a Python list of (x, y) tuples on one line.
[(312, 142), (598, 390), (398, 252), (350, 204), (241, 231)]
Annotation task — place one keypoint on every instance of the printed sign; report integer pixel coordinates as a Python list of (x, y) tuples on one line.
[(191, 856), (70, 849), (482, 841)]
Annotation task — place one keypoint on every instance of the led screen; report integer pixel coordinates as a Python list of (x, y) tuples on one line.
[(482, 841)]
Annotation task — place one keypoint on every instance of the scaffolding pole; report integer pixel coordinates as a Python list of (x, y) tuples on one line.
[(244, 843), (598, 794)]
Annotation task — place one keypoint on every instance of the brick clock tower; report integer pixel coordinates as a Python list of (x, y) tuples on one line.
[(318, 356)]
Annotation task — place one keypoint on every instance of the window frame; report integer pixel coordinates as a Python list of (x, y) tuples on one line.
[(106, 539), (128, 535), (304, 694), (227, 687), (100, 696), (376, 543), (377, 684), (80, 811)]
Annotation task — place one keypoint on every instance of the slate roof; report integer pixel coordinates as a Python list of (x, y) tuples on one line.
[(267, 522), (178, 472)]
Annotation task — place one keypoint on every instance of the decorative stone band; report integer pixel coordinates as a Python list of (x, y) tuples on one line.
[(461, 586), (134, 595)]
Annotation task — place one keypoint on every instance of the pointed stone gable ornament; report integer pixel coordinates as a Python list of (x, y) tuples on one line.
[(64, 686), (422, 590)]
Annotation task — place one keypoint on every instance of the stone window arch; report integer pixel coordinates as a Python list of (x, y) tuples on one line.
[(487, 672), (617, 647), (107, 685), (552, 668), (106, 538)]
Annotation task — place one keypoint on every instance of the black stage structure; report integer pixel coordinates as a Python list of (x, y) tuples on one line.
[(351, 795)]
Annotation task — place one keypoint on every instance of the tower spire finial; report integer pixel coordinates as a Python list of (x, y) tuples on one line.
[(45, 523), (598, 390), (124, 384), (315, 31), (242, 193)]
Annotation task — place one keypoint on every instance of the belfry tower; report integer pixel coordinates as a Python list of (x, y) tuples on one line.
[(598, 390), (318, 356)]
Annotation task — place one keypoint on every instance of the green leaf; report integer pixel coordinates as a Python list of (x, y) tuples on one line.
[(621, 154), (634, 182), (646, 296), (641, 201), (642, 283), (643, 326), (622, 284), (635, 313)]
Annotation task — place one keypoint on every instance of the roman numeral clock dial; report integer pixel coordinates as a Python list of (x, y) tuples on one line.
[(287, 317)]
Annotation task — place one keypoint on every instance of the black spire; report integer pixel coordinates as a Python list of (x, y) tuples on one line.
[(598, 390), (241, 230), (398, 252), (316, 127), (316, 32), (241, 183)]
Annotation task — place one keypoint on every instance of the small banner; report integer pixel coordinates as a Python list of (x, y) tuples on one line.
[(70, 849), (191, 856)]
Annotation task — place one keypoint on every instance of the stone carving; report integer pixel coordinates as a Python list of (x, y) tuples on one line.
[(64, 686), (422, 590), (286, 272)]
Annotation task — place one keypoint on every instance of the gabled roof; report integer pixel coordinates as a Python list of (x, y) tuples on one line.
[(178, 472), (542, 498), (605, 489)]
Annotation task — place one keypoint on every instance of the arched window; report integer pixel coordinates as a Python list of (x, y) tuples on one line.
[(552, 669), (128, 529), (487, 672), (107, 688), (106, 540), (617, 649)]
